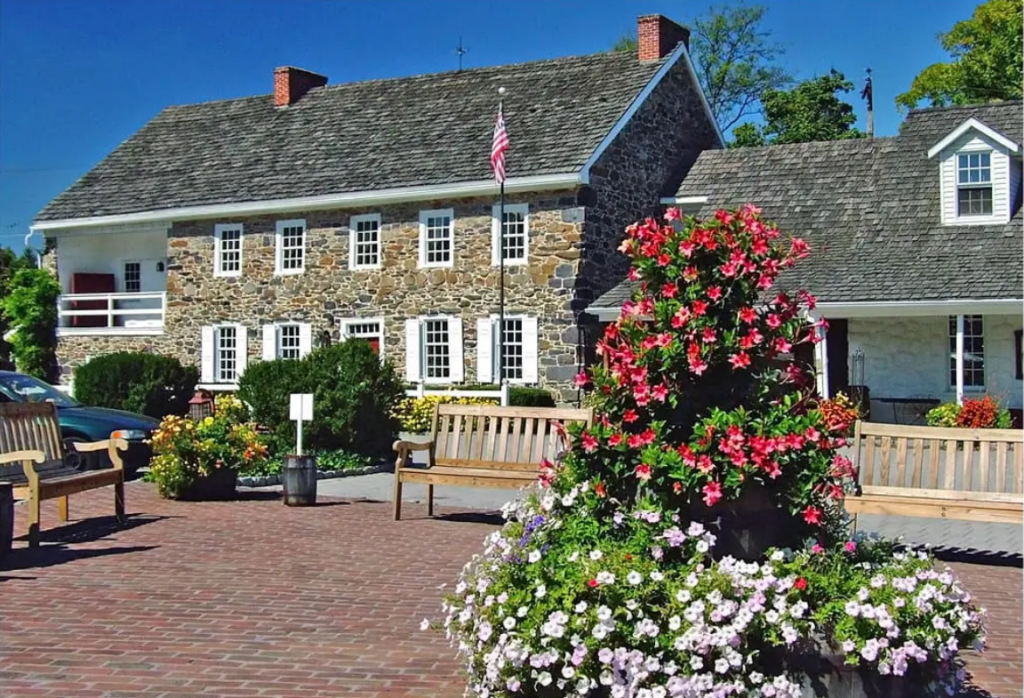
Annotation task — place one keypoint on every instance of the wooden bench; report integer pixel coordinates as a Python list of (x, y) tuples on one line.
[(32, 459), (969, 474), (483, 446)]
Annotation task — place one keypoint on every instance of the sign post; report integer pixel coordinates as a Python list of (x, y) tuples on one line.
[(298, 474), (301, 411)]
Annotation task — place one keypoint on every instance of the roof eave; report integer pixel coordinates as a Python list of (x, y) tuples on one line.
[(974, 124), (513, 185)]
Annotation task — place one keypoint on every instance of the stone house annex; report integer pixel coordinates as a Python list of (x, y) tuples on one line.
[(230, 231), (916, 252)]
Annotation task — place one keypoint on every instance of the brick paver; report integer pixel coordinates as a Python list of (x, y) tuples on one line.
[(250, 598)]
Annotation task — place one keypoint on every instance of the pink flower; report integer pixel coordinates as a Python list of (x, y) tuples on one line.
[(581, 379), (850, 546), (614, 440), (634, 441), (780, 344), (709, 336), (817, 549), (633, 274), (629, 416), (690, 273), (712, 493), (669, 290), (660, 392), (698, 365), (686, 248), (589, 442), (748, 315), (812, 515), (664, 260), (643, 471), (673, 214), (728, 269), (699, 307), (714, 293), (741, 360), (774, 321)]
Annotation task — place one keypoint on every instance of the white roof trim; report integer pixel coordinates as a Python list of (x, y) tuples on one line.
[(981, 306), (309, 203), (976, 125), (684, 200), (679, 52)]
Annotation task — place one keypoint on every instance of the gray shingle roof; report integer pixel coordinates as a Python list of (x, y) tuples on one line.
[(428, 129), (870, 211)]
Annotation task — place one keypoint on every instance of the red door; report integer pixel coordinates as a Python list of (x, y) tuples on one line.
[(91, 283)]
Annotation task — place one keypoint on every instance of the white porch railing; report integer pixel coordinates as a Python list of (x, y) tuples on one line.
[(121, 313), (500, 395)]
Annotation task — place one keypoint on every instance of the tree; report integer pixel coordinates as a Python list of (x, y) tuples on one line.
[(30, 307), (811, 111), (987, 52), (734, 60), (9, 264)]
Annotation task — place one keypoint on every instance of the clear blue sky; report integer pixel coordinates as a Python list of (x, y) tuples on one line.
[(78, 77)]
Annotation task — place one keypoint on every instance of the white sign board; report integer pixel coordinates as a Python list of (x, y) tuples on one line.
[(301, 407)]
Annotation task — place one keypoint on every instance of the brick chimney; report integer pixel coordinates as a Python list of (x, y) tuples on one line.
[(657, 36), (291, 83)]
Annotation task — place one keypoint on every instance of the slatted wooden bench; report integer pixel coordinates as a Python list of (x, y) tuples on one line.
[(483, 446), (969, 474), (32, 459)]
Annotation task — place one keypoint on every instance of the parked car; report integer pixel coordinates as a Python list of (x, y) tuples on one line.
[(81, 423)]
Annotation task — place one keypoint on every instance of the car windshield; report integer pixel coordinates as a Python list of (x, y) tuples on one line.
[(22, 388)]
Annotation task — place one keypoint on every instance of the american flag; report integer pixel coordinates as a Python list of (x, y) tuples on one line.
[(498, 147)]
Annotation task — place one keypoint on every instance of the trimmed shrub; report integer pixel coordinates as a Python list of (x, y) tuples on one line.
[(417, 414), (529, 397), (148, 384), (354, 396)]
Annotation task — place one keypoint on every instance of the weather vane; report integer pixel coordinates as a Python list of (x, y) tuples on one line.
[(460, 51)]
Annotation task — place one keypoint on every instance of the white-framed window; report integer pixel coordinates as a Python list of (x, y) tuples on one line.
[(368, 329), (520, 357), (287, 340), (132, 272), (974, 352), (437, 238), (364, 251), (974, 184), (291, 247), (228, 249), (514, 239), (433, 349), (223, 353)]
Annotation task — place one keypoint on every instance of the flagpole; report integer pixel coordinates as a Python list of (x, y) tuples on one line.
[(501, 265)]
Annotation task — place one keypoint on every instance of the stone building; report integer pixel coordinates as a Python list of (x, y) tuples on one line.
[(238, 230), (916, 256)]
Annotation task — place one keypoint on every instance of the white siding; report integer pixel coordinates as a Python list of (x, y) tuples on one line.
[(106, 254), (1001, 185), (909, 357)]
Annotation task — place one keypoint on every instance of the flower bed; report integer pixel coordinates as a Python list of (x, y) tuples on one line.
[(692, 541)]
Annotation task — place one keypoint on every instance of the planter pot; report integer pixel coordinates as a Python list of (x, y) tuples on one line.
[(298, 480), (218, 485), (747, 527), (827, 676)]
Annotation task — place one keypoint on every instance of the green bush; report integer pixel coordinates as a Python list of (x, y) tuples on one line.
[(354, 396), (29, 307), (529, 397), (326, 461), (148, 384)]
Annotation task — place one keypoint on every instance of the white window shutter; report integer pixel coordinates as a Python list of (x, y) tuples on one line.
[(484, 350), (269, 342), (456, 357), (412, 350), (206, 355), (530, 371), (305, 338), (241, 350)]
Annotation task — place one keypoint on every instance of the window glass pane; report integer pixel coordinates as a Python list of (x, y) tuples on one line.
[(370, 331), (974, 352), (438, 240), (366, 238), (514, 235), (225, 368), (288, 342), (435, 349), (292, 247), (513, 344), (230, 250), (974, 201), (962, 162), (132, 277)]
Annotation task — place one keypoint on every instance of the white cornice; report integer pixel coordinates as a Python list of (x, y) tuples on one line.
[(974, 124)]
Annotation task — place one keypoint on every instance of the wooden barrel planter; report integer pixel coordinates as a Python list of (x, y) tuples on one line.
[(220, 484), (298, 480)]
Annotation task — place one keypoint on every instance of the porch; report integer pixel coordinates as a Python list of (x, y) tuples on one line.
[(903, 359)]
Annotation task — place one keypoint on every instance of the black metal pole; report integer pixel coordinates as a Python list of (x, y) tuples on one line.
[(501, 286)]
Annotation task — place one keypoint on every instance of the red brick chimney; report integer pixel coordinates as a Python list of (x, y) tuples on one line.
[(291, 83), (657, 36)]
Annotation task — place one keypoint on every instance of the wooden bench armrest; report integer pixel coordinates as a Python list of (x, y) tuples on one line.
[(111, 446), (22, 457), (404, 448)]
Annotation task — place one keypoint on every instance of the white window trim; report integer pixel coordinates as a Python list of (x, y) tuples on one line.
[(352, 225), (496, 226), (433, 213), (241, 352), (450, 380), (344, 323), (278, 326), (496, 336), (279, 269), (974, 389), (218, 231), (990, 184), (124, 275)]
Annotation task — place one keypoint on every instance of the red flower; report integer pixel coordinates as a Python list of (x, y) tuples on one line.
[(629, 416), (709, 336), (765, 282), (748, 315), (705, 464), (589, 442), (592, 583), (660, 392), (626, 246), (780, 344), (599, 490), (581, 379), (648, 436), (741, 360), (677, 487), (681, 317), (699, 307), (669, 290), (634, 441), (723, 216), (712, 493), (728, 269), (686, 248), (800, 584), (633, 274), (673, 214), (687, 454), (714, 293), (774, 321), (614, 440), (812, 515), (664, 260), (690, 273), (697, 365), (643, 471), (799, 248)]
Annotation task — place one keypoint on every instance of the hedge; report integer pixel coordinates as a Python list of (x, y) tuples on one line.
[(139, 382)]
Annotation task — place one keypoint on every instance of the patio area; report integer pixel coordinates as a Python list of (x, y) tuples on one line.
[(250, 598)]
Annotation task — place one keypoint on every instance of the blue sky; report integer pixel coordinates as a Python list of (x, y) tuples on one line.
[(78, 77)]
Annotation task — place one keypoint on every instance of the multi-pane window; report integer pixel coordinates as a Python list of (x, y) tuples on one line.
[(436, 238), (132, 277), (974, 184), (291, 246), (229, 250), (436, 353), (225, 354), (371, 331), (515, 233), (289, 343), (974, 352), (512, 338), (365, 241)]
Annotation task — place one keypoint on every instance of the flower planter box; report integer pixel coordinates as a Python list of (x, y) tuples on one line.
[(218, 485), (747, 527)]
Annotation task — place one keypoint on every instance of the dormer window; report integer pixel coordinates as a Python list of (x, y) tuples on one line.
[(974, 184)]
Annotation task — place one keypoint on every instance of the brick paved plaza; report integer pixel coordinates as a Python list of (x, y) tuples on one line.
[(249, 598)]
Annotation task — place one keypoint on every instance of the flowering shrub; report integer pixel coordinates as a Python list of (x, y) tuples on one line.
[(186, 450), (983, 413), (840, 414), (417, 414), (612, 578)]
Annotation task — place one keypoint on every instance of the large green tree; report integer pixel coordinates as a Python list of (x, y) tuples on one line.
[(734, 58), (30, 306), (986, 51), (10, 262), (811, 111)]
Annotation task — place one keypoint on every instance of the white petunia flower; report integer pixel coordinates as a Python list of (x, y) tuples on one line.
[(541, 591), (581, 607), (596, 554), (604, 613), (634, 578), (425, 625), (522, 611), (657, 576), (509, 623)]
